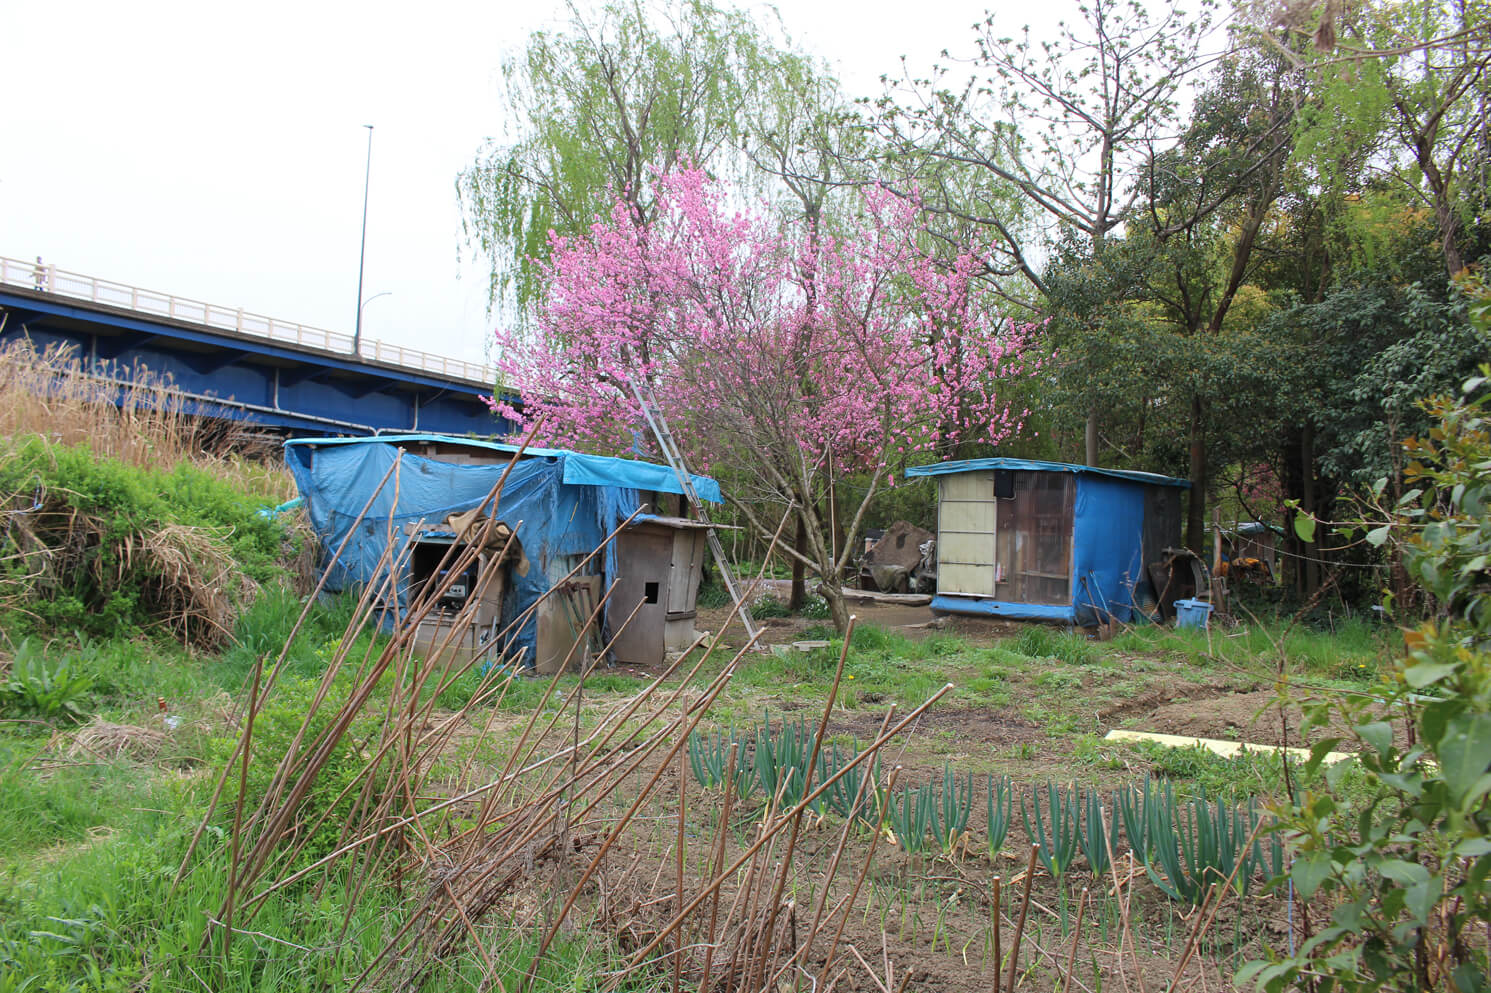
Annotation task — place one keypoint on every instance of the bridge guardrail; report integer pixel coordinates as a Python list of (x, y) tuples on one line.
[(50, 279)]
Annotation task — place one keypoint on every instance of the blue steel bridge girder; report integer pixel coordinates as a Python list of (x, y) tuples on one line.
[(207, 363), (256, 380), (295, 375), (358, 389)]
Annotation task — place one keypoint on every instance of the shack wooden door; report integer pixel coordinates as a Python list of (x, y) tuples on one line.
[(644, 558)]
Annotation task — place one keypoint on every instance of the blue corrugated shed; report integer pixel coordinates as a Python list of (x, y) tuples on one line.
[(1108, 553)]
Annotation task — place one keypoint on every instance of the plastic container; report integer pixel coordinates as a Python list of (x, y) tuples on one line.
[(1192, 613)]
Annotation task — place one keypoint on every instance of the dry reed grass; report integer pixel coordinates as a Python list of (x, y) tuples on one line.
[(104, 740), (186, 577), (141, 419)]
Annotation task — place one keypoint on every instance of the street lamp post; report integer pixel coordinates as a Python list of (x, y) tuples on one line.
[(385, 293), (363, 248)]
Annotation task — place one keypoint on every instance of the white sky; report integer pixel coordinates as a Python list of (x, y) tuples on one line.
[(216, 151)]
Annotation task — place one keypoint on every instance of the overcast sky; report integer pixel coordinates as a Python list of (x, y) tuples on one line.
[(217, 151)]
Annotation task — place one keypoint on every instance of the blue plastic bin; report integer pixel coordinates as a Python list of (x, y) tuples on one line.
[(1192, 613)]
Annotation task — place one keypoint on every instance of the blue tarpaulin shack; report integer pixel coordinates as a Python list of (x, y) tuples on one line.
[(1048, 541), (560, 504)]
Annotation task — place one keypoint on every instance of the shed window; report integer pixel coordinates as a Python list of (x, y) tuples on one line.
[(1033, 543)]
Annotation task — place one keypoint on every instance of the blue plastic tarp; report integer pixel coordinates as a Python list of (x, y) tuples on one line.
[(1007, 609), (1107, 548), (556, 522), (602, 470), (579, 468)]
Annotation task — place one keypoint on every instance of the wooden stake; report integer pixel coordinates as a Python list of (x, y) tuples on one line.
[(1020, 923)]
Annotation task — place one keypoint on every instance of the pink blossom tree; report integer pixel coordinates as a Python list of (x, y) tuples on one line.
[(792, 356)]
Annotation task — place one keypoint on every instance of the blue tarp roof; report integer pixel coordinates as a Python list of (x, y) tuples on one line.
[(1032, 465), (579, 469)]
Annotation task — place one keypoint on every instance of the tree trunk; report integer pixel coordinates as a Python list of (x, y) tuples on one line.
[(833, 593), (799, 571), (1309, 550), (1196, 515), (1091, 439)]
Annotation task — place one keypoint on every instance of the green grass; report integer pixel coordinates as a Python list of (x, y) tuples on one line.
[(1038, 641), (105, 919), (87, 850), (1353, 651), (49, 801)]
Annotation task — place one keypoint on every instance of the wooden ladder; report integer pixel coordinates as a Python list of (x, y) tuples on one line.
[(674, 456)]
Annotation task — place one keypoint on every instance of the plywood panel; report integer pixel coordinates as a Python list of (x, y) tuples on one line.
[(644, 561), (688, 564), (966, 513), (556, 634)]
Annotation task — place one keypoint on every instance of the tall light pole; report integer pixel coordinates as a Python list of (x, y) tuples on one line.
[(363, 249), (385, 293)]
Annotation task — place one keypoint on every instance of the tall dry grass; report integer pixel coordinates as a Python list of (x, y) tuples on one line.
[(143, 420)]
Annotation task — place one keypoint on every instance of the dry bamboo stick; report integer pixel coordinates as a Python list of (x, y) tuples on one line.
[(1020, 924)]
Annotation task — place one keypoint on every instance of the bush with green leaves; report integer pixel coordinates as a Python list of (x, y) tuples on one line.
[(331, 798), (1407, 874), (44, 687), (86, 547)]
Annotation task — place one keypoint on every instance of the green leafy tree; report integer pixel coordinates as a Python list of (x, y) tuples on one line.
[(1069, 123), (1401, 90)]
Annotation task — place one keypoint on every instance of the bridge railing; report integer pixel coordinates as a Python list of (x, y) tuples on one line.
[(50, 279)]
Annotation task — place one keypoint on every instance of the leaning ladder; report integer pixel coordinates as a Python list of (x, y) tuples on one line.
[(671, 452)]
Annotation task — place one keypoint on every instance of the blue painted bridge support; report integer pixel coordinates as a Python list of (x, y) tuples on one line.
[(283, 386)]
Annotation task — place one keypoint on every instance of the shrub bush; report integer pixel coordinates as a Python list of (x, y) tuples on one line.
[(1406, 873), (110, 549)]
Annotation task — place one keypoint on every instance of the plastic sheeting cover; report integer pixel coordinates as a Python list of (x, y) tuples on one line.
[(977, 607), (602, 470), (1107, 548), (551, 518), (579, 468)]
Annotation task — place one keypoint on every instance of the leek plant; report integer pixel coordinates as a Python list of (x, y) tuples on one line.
[(1000, 799), (954, 803), (709, 757), (1094, 835), (1059, 848)]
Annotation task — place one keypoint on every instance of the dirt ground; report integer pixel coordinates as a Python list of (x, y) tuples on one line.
[(938, 939)]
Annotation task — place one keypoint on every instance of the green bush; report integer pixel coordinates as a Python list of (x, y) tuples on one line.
[(79, 551), (769, 606), (1408, 872), (43, 687), (328, 804), (712, 593)]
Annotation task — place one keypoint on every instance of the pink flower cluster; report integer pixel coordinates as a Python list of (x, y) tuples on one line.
[(759, 342)]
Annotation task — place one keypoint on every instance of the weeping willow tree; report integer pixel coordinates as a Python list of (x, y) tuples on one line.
[(601, 107)]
